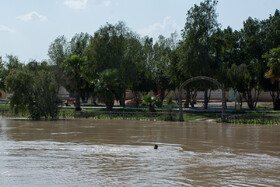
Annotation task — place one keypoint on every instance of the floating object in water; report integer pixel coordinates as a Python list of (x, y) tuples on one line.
[(156, 146)]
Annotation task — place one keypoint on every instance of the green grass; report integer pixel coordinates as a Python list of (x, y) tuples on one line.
[(4, 107), (196, 115), (243, 117), (256, 117), (266, 106), (141, 114)]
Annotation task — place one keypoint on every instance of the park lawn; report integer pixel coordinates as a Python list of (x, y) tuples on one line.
[(243, 117), (5, 107)]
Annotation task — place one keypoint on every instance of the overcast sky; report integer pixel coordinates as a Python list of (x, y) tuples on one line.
[(27, 27)]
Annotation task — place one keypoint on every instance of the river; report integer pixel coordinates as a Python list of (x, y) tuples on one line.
[(86, 152)]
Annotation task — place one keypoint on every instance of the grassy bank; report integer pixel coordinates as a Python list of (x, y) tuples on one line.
[(255, 117), (117, 113), (240, 117)]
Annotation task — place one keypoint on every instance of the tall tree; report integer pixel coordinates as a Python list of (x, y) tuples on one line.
[(196, 58), (271, 27), (274, 73), (73, 70), (58, 53), (68, 59), (161, 65), (252, 46), (114, 47)]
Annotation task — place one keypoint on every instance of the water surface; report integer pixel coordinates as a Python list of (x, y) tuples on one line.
[(120, 153)]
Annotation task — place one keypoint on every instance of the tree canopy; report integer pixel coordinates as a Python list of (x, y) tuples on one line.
[(115, 59)]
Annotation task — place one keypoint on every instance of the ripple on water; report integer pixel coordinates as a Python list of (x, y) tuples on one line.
[(89, 161)]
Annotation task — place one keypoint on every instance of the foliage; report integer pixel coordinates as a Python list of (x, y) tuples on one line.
[(151, 102), (6, 67), (34, 90), (273, 64), (201, 24), (161, 65), (115, 47), (108, 87), (198, 55), (73, 68), (170, 106), (68, 59), (116, 59)]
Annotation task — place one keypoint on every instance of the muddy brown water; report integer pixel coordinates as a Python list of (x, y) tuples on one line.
[(121, 153)]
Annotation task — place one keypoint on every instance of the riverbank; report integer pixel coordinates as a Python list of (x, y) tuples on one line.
[(258, 116)]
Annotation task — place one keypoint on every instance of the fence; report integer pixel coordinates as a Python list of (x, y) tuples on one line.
[(247, 118), (71, 114), (253, 118), (10, 114), (152, 116)]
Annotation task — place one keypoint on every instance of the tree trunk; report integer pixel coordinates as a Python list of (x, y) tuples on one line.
[(137, 99), (251, 101), (151, 108), (123, 98), (77, 101), (276, 102), (205, 96), (193, 97), (109, 105), (161, 96), (188, 95), (83, 97), (240, 99), (275, 98)]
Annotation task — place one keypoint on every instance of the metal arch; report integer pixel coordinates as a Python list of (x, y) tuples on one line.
[(202, 78)]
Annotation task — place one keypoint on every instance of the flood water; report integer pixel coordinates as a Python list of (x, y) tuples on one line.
[(120, 153)]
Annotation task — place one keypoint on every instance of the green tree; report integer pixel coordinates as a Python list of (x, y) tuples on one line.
[(114, 47), (73, 70), (271, 27), (196, 52), (252, 38), (34, 90), (273, 73), (2, 75), (161, 66), (151, 102), (58, 53), (65, 55), (143, 80), (6, 67), (273, 64), (108, 87)]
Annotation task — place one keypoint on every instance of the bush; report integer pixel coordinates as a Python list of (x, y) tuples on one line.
[(151, 102), (33, 91)]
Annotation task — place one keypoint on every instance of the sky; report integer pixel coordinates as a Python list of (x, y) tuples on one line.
[(28, 27)]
